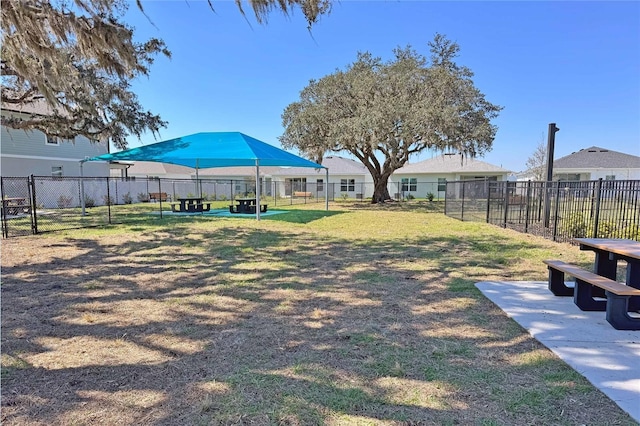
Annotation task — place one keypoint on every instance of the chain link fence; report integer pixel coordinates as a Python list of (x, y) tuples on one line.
[(559, 211), (38, 204)]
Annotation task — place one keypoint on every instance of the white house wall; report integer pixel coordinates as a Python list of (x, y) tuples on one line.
[(27, 153), (19, 166)]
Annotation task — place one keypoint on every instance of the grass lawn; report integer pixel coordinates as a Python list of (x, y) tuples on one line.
[(363, 315)]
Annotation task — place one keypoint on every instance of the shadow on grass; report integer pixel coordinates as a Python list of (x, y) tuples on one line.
[(226, 325), (303, 216)]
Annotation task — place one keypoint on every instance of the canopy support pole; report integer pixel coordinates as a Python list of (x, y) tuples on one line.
[(84, 213), (326, 192), (257, 189)]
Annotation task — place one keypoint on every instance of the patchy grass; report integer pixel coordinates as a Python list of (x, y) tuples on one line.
[(360, 315)]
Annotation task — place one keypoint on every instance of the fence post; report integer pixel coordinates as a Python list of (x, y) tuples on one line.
[(34, 217), (526, 214), (488, 201), (5, 224), (596, 218), (462, 202), (160, 195), (505, 204), (555, 219), (108, 201)]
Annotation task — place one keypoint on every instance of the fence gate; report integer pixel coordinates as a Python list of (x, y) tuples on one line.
[(17, 206)]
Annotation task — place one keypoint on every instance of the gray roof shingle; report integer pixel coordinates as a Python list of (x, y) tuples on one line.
[(447, 163), (595, 158)]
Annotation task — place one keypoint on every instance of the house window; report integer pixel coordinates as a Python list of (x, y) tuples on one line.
[(52, 140), (409, 184), (320, 185), (56, 171), (610, 177), (442, 184), (347, 185)]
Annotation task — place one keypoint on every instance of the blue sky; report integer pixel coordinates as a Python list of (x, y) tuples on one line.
[(573, 63)]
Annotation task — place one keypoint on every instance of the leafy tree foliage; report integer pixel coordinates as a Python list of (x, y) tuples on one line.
[(77, 59), (383, 112)]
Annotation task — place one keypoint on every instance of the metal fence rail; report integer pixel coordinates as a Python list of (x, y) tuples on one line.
[(559, 211)]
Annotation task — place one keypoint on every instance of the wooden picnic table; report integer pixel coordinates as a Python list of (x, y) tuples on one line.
[(608, 251), (592, 288)]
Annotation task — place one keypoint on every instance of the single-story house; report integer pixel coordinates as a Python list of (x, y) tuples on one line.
[(430, 176), (597, 163), (348, 177)]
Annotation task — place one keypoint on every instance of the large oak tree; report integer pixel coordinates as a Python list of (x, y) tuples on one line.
[(383, 112), (77, 59)]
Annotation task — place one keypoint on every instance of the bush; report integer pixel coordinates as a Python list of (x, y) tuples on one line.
[(411, 197), (577, 225), (430, 196), (127, 198), (222, 197), (64, 201), (108, 201), (143, 198), (344, 195), (88, 201)]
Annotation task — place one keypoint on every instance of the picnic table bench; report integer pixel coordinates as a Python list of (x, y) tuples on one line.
[(162, 196), (302, 194), (599, 291)]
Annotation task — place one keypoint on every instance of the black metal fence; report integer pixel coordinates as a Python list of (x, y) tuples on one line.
[(559, 211), (38, 204)]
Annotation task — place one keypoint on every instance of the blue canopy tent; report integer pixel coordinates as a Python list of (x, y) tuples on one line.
[(213, 149)]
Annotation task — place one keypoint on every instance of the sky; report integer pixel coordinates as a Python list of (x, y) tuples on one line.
[(576, 64)]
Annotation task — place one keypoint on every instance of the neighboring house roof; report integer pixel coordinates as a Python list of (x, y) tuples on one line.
[(151, 168), (447, 163), (596, 158), (337, 166)]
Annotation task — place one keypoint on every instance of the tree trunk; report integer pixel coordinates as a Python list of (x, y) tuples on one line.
[(380, 190)]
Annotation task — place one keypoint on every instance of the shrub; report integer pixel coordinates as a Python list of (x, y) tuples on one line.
[(430, 196), (410, 197), (344, 195), (143, 198), (222, 197), (577, 225), (88, 201), (64, 201), (108, 201), (127, 198)]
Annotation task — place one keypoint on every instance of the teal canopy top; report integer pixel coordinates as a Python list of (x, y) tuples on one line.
[(212, 149)]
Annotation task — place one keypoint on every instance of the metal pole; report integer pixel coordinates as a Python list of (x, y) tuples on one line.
[(596, 217), (257, 189), (326, 190), (551, 140), (84, 213)]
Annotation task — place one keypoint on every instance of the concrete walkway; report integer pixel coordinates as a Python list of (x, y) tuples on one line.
[(608, 358)]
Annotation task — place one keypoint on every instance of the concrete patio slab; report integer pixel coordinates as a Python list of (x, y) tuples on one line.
[(608, 358)]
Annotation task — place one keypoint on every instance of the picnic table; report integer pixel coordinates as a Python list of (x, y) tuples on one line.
[(247, 206), (608, 251), (15, 205), (190, 205), (622, 299)]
